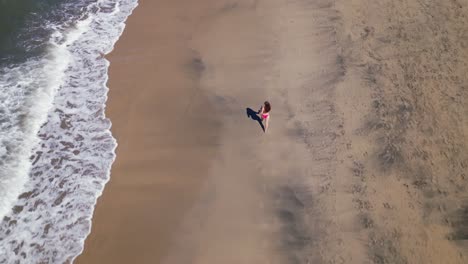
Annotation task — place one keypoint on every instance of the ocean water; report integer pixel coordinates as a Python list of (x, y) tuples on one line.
[(56, 148)]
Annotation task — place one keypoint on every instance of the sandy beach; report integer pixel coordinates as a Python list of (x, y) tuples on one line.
[(366, 156)]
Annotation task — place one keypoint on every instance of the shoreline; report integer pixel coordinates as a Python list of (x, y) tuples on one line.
[(149, 143)]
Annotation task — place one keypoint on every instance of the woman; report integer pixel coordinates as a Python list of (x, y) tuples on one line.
[(264, 113)]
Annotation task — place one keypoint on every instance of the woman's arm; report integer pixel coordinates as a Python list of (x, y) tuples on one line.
[(260, 111), (266, 123)]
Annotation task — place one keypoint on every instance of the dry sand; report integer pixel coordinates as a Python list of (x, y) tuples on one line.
[(365, 160)]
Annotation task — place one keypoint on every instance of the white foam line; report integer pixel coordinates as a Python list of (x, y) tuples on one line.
[(88, 232)]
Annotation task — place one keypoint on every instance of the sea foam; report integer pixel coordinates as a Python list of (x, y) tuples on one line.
[(56, 147)]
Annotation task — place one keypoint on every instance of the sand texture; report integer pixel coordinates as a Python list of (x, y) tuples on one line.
[(365, 160)]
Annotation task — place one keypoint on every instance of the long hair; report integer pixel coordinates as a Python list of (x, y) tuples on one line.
[(267, 107)]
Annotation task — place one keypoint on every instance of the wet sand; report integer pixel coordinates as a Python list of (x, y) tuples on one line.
[(365, 160)]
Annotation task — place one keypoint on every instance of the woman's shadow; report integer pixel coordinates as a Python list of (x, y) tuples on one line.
[(253, 115)]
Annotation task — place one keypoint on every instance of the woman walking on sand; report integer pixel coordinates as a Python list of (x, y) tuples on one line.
[(264, 113)]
